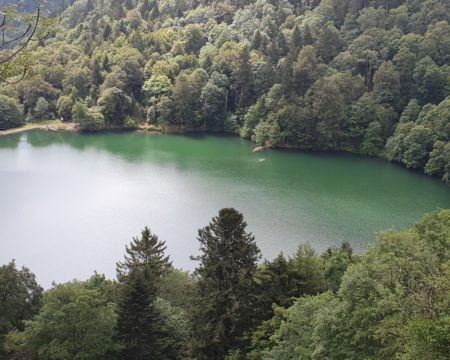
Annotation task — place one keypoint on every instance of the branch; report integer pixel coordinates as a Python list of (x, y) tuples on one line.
[(25, 44), (24, 73), (3, 22), (13, 40)]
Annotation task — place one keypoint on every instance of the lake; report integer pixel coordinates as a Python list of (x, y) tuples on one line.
[(70, 202)]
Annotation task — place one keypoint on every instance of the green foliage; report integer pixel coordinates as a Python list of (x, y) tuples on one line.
[(224, 303), (176, 288), (176, 329), (340, 68), (115, 105), (387, 85), (65, 105), (294, 338), (41, 109), (157, 86), (421, 144), (373, 139), (55, 334), (141, 327), (86, 119), (10, 113), (282, 280), (130, 123), (439, 162), (267, 133), (336, 262), (392, 303), (21, 299)]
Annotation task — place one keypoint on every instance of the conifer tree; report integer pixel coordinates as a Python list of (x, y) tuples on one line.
[(244, 80), (224, 305), (296, 37), (141, 328), (256, 40)]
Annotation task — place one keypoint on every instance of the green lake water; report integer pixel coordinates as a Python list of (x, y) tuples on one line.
[(69, 202)]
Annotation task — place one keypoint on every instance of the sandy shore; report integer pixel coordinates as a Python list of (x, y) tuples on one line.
[(53, 125)]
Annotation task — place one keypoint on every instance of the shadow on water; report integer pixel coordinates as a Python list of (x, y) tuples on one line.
[(214, 150)]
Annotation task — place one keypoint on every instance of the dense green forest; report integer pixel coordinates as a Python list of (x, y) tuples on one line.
[(391, 302), (368, 76), (365, 76)]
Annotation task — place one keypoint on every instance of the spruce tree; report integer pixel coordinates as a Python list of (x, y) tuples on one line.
[(244, 80), (256, 40), (296, 37), (140, 327), (307, 36), (224, 303)]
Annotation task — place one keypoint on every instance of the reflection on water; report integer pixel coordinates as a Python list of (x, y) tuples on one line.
[(70, 202)]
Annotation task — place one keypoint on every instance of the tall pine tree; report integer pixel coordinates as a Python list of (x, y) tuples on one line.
[(140, 327), (224, 304)]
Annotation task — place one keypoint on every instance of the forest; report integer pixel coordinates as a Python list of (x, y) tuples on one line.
[(365, 76), (390, 302)]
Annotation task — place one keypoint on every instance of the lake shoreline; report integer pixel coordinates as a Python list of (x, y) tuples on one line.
[(52, 125), (112, 184), (58, 125)]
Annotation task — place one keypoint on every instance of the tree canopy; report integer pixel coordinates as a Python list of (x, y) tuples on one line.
[(389, 302), (330, 74)]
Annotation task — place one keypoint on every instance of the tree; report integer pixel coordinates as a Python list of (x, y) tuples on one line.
[(295, 336), (296, 37), (154, 88), (10, 113), (194, 39), (141, 328), (21, 299), (336, 262), (329, 43), (305, 69), (256, 40), (78, 79), (267, 133), (41, 109), (404, 61), (410, 112), (18, 30), (439, 162), (185, 99), (395, 146), (430, 81), (224, 304), (328, 106), (115, 104), (214, 100), (373, 139), (418, 144), (244, 80), (282, 280), (86, 119), (386, 83), (64, 106), (134, 77), (75, 322), (392, 303), (436, 42)]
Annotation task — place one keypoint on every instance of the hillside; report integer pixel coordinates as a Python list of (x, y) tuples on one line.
[(365, 76), (51, 7)]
